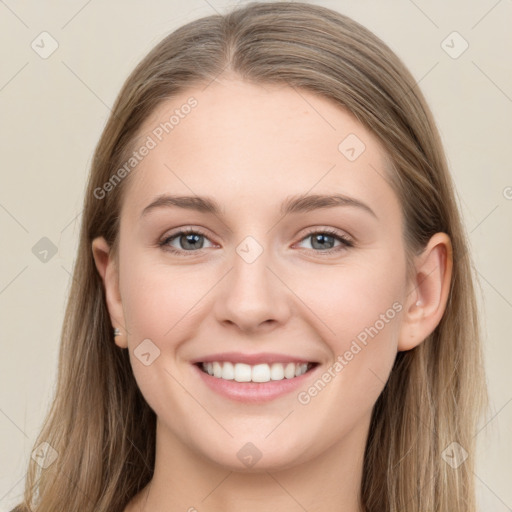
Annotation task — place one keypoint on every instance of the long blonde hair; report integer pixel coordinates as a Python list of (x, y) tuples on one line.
[(100, 426)]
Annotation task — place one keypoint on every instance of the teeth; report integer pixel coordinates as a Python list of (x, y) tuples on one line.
[(228, 371), (217, 370), (289, 371), (241, 372), (277, 371)]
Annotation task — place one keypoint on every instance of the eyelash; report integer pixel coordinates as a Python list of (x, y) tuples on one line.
[(345, 241)]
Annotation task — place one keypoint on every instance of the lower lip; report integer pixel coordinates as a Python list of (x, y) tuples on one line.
[(254, 392)]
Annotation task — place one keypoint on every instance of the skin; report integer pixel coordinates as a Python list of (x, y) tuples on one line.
[(250, 147)]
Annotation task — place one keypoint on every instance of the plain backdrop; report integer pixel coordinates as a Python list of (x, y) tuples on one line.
[(53, 108)]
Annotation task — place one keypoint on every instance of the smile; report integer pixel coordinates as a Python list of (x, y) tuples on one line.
[(241, 372)]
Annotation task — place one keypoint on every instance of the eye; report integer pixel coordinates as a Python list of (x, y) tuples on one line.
[(327, 241), (193, 240), (186, 240)]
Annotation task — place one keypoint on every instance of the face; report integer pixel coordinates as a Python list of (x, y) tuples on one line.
[(260, 236)]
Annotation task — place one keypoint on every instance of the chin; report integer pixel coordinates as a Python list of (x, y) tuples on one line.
[(258, 456)]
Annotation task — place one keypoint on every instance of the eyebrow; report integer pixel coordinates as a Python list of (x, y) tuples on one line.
[(293, 204)]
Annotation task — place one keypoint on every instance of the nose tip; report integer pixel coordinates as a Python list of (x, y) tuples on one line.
[(250, 325)]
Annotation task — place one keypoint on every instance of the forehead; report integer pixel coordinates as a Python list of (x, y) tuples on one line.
[(256, 142)]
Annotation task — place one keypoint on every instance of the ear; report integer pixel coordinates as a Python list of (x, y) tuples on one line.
[(107, 268), (427, 298)]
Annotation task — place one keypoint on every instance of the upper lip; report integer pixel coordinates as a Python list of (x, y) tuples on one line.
[(251, 359)]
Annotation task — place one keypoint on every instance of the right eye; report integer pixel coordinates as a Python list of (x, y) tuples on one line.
[(188, 240)]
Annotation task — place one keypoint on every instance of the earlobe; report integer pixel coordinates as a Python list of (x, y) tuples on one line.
[(107, 268), (428, 294)]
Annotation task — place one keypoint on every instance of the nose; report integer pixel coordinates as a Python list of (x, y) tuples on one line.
[(252, 298)]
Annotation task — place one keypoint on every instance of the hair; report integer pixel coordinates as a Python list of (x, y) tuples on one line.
[(99, 423)]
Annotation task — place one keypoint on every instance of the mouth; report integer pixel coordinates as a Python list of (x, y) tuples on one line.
[(255, 378), (257, 373)]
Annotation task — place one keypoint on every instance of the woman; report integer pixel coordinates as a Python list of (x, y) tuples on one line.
[(272, 304)]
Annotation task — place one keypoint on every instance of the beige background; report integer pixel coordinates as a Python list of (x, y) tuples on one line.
[(52, 113)]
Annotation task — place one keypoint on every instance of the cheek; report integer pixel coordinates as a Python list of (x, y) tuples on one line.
[(362, 306), (358, 308), (160, 304), (353, 298), (159, 299)]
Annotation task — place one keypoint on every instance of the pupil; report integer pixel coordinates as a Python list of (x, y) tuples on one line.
[(190, 240), (322, 240)]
